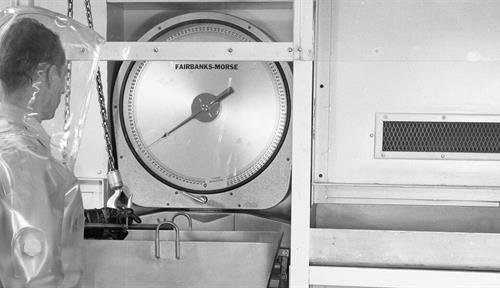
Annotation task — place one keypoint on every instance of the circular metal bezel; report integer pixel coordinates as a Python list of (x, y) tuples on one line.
[(221, 19)]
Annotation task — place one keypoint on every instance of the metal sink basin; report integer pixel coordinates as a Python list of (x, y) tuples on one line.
[(207, 259)]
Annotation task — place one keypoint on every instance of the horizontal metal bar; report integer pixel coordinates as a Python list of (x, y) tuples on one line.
[(29, 3), (196, 1), (324, 192), (400, 278), (378, 201), (408, 249), (196, 51), (408, 218), (123, 226)]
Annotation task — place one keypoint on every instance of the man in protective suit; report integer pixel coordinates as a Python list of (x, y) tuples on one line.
[(41, 211)]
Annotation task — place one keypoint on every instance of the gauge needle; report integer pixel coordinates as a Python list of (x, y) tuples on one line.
[(228, 91)]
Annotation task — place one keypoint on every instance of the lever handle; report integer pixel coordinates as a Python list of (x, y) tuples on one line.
[(199, 199)]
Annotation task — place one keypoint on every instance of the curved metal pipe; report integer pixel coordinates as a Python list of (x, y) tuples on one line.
[(177, 239), (190, 220)]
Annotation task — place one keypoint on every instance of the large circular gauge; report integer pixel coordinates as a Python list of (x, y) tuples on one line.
[(205, 127)]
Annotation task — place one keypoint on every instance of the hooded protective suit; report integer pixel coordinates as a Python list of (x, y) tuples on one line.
[(41, 211)]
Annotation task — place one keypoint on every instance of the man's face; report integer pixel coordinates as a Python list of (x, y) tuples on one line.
[(54, 89)]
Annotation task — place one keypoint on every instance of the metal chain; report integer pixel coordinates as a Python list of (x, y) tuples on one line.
[(88, 10), (67, 112), (67, 97), (102, 102), (70, 8)]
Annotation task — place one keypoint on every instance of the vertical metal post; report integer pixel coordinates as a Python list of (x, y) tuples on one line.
[(301, 173), (302, 141), (303, 29), (14, 3)]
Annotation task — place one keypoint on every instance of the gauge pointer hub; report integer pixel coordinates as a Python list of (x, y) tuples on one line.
[(205, 108)]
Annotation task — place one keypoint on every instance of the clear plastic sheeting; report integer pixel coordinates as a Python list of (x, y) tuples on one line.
[(41, 122)]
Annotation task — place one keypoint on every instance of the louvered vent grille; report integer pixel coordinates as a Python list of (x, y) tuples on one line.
[(458, 137)]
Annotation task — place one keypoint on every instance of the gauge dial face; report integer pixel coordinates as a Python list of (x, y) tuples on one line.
[(205, 127)]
